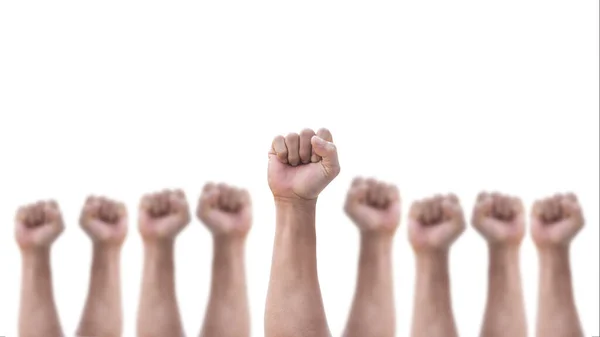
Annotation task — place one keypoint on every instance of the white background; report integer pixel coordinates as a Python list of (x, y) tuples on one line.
[(122, 98)]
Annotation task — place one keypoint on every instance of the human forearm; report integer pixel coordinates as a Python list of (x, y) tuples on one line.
[(505, 311), (374, 298), (294, 305), (158, 313), (102, 314), (557, 313), (38, 316), (228, 295), (433, 315)]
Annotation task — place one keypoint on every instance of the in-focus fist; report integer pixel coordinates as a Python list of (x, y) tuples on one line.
[(163, 215), (499, 218), (38, 225), (435, 223), (302, 165), (225, 210), (104, 220), (556, 220), (373, 206)]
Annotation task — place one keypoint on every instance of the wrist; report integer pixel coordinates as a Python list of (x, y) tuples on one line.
[(505, 251), (35, 254), (376, 241), (158, 245), (433, 265), (106, 251), (553, 250), (431, 257), (431, 253), (297, 215), (553, 255), (229, 242), (296, 203)]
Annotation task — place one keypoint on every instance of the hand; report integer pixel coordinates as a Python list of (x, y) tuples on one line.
[(225, 210), (500, 219), (163, 215), (104, 220), (301, 166), (556, 220), (38, 225), (373, 206), (435, 223)]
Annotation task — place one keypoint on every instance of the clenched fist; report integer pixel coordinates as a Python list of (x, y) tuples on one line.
[(38, 225), (104, 220), (163, 215), (225, 210), (373, 206), (556, 220), (435, 223), (302, 165), (499, 218)]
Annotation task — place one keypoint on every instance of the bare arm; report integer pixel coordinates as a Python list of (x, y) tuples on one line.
[(300, 167), (227, 314), (555, 222), (500, 219), (38, 316), (105, 222), (557, 314), (434, 224), (158, 313), (505, 310), (374, 298), (162, 216), (102, 314), (37, 226), (294, 304), (433, 315)]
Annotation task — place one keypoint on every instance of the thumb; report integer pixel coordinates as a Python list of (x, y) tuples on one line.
[(328, 152), (97, 229), (47, 232), (480, 211)]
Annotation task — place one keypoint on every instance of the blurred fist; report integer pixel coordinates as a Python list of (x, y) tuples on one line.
[(499, 218), (302, 165), (556, 220), (104, 220), (38, 225), (163, 215), (225, 210), (435, 223), (373, 206)]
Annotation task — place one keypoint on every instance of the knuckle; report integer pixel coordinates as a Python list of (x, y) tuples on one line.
[(291, 136), (307, 132)]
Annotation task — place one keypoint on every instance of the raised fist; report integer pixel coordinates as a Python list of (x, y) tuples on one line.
[(225, 210), (556, 220), (104, 220), (499, 218), (301, 166), (373, 206), (38, 225), (435, 223), (163, 215)]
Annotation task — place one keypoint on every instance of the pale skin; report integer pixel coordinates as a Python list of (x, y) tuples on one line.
[(227, 213), (300, 167), (105, 222), (162, 216), (500, 219), (374, 207), (434, 225), (555, 221), (37, 226)]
